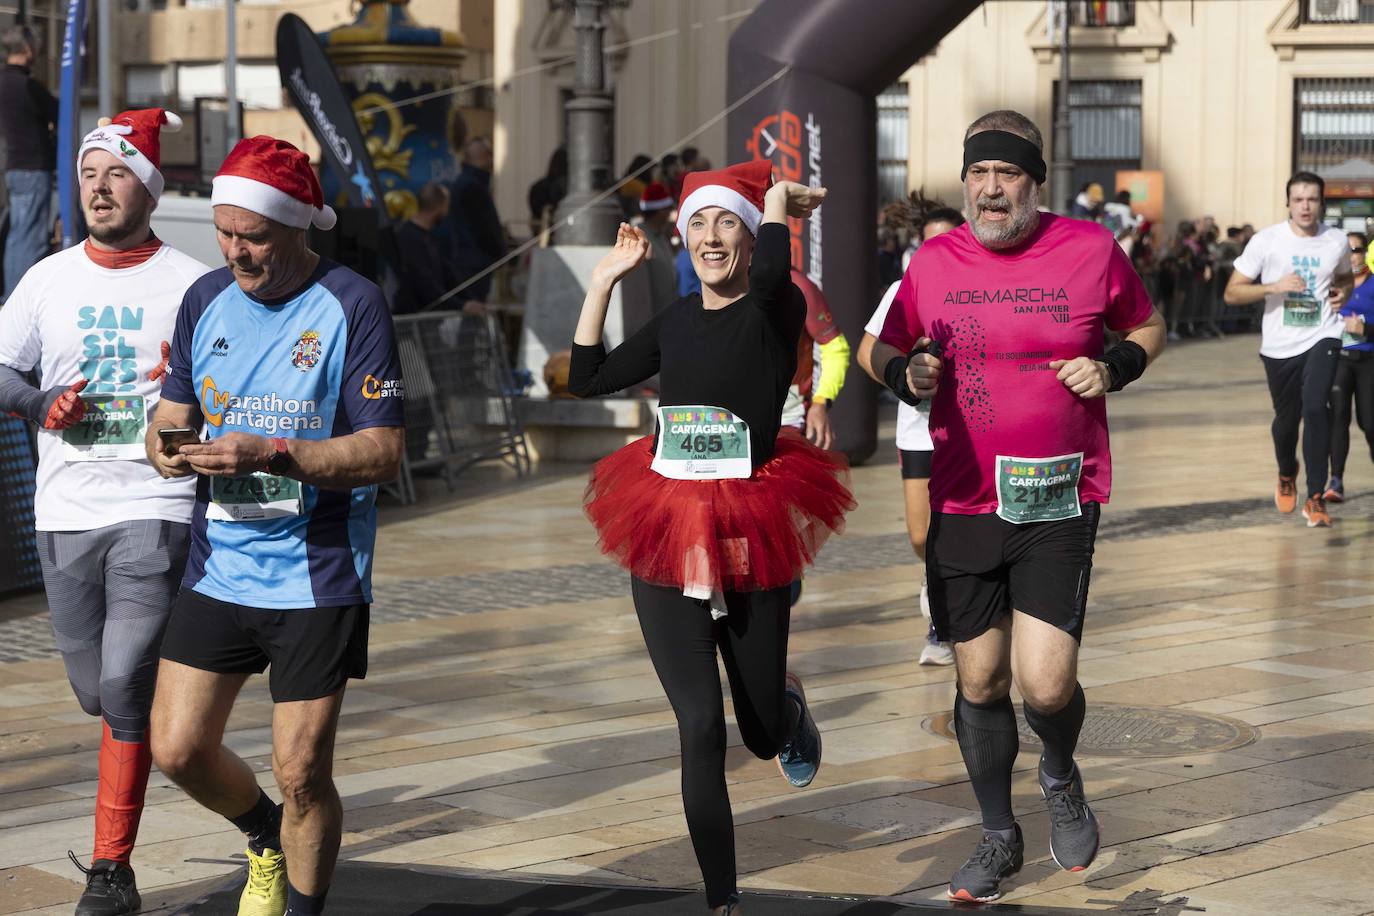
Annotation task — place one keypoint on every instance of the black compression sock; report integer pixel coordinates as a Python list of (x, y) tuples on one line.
[(261, 824), (988, 742), (1059, 730), (298, 904)]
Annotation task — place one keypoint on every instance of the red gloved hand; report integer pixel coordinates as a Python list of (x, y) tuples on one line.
[(160, 371), (68, 410)]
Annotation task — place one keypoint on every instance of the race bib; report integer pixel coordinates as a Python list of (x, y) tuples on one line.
[(1350, 340), (701, 443), (112, 429), (1038, 489), (1300, 310), (252, 499)]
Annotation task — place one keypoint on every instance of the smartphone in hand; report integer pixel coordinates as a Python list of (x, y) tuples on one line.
[(175, 437)]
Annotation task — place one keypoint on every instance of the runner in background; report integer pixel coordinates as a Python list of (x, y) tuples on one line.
[(1354, 370), (1300, 270), (95, 320), (914, 447), (822, 361)]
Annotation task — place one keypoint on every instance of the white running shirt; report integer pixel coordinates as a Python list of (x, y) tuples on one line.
[(74, 319), (913, 423), (1290, 328)]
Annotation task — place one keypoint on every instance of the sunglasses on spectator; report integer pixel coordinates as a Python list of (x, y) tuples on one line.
[(1354, 250)]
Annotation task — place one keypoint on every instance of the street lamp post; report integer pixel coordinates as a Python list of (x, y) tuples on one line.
[(589, 121), (1061, 180)]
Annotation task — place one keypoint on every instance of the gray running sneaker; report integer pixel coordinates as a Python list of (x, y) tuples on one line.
[(800, 758), (979, 880), (1073, 828)]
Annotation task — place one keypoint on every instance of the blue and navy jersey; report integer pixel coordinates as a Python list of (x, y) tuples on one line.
[(318, 365), (1361, 304)]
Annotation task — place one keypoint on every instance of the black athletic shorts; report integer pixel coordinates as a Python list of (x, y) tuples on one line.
[(980, 567), (313, 651), (916, 465)]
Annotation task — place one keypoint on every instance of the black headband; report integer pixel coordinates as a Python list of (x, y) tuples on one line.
[(1007, 147)]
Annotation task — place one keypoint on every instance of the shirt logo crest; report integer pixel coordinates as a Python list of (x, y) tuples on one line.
[(305, 355)]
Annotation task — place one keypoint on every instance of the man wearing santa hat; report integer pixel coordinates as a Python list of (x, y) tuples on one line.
[(289, 361), (657, 205), (112, 533)]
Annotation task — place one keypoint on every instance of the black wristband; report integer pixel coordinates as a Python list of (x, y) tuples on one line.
[(1125, 363), (894, 376)]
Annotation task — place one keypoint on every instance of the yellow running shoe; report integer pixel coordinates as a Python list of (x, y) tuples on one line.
[(265, 892)]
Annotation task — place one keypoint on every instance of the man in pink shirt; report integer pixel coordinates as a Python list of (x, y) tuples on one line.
[(999, 323)]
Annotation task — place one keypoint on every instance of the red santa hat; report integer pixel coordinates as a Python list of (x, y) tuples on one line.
[(655, 197), (738, 188), (135, 138), (274, 179)]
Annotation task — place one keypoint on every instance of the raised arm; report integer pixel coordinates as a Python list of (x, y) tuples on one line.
[(771, 264), (593, 371)]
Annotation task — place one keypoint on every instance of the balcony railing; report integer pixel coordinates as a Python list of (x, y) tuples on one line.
[(1337, 12), (1102, 14)]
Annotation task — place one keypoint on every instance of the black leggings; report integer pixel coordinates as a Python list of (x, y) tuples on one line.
[(1299, 387), (752, 639), (1354, 378)]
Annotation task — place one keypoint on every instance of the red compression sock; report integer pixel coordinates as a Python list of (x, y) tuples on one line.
[(124, 769)]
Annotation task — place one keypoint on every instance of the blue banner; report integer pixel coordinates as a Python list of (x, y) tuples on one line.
[(69, 120)]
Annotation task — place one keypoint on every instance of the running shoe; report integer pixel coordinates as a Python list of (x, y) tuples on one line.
[(1286, 494), (265, 892), (800, 758), (937, 653), (1314, 510), (979, 880), (1335, 491), (110, 889), (925, 598), (1073, 828)]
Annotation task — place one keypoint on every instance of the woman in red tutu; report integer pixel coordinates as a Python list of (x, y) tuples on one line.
[(717, 514)]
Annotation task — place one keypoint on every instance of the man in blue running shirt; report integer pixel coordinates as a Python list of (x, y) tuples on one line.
[(288, 361)]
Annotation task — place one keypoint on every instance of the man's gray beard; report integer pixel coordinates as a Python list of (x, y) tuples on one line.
[(1024, 219)]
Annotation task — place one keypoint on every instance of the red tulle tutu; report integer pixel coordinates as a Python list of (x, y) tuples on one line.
[(719, 535)]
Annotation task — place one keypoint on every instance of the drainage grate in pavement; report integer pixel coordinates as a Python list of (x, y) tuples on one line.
[(1135, 731)]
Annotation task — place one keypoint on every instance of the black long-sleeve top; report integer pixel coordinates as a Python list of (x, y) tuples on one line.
[(26, 110), (740, 358)]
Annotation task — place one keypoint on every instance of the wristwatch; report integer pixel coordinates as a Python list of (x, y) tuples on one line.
[(280, 461)]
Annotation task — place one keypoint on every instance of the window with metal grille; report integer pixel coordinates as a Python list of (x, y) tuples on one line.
[(1105, 117), (1103, 13), (893, 119), (1333, 133), (1325, 12)]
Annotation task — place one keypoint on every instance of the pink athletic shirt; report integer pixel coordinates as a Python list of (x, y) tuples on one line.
[(1001, 317)]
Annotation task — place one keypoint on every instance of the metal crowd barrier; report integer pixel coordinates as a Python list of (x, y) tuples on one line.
[(459, 408)]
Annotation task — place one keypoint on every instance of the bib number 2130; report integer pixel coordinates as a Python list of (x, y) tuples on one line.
[(1038, 489)]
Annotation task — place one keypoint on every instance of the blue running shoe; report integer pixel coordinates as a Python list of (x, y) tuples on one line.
[(800, 757)]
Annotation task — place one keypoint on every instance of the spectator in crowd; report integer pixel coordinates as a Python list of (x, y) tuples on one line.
[(545, 193), (478, 237), (28, 112), (637, 177), (690, 157), (1118, 216), (687, 280), (657, 206), (425, 273), (889, 257), (671, 173), (1088, 203)]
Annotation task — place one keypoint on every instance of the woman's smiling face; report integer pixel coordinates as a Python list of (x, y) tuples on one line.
[(721, 246)]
